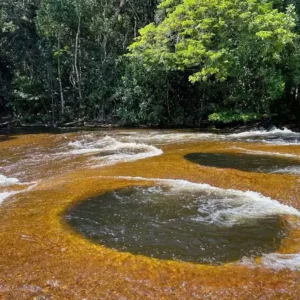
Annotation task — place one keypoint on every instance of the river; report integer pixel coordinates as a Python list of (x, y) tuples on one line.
[(150, 214)]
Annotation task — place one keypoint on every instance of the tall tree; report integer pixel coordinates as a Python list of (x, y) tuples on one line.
[(236, 46)]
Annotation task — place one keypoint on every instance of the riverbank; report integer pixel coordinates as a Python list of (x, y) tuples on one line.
[(9, 124)]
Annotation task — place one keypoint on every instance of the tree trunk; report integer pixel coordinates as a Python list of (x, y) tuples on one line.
[(62, 101), (78, 79)]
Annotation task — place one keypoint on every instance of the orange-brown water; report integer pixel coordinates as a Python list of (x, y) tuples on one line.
[(42, 257)]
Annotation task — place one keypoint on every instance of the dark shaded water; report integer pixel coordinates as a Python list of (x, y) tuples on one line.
[(247, 162), (189, 225)]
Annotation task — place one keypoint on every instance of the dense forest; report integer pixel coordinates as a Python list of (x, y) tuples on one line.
[(153, 62)]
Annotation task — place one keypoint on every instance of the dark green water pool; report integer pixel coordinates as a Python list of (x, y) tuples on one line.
[(247, 162), (204, 226)]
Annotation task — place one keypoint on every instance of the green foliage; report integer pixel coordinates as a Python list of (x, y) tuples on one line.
[(142, 95), (68, 50), (239, 45), (211, 35), (63, 60), (235, 116)]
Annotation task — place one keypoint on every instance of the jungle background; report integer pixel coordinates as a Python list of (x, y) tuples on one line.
[(150, 62)]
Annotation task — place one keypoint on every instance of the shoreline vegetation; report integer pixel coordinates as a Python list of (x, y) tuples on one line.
[(156, 63), (9, 123), (12, 125)]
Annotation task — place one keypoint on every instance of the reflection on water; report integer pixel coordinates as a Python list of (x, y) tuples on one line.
[(198, 225), (247, 162)]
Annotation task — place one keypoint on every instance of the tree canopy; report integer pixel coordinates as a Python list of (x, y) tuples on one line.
[(163, 62), (243, 42)]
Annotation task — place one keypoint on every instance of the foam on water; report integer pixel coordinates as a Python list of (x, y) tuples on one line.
[(126, 146), (241, 205), (7, 181), (290, 170), (159, 138), (274, 136), (108, 150), (267, 153), (277, 261), (30, 186), (5, 195), (250, 205), (263, 132)]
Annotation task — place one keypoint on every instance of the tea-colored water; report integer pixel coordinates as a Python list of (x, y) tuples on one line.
[(43, 257)]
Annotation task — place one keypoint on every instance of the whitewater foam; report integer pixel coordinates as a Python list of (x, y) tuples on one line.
[(159, 138), (254, 152), (126, 146), (108, 150), (290, 170), (30, 186), (242, 206), (5, 195), (274, 136), (7, 181), (277, 261), (263, 132)]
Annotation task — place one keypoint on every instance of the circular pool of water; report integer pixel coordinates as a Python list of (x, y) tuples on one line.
[(247, 162), (203, 225)]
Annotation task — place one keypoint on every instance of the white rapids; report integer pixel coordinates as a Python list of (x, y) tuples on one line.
[(109, 150), (269, 153), (7, 181), (125, 146), (287, 170), (5, 195), (277, 261), (273, 136), (241, 205)]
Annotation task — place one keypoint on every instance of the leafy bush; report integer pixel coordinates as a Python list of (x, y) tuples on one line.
[(235, 116)]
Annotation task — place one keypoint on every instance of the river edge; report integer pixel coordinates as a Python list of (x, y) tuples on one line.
[(35, 129), (8, 123)]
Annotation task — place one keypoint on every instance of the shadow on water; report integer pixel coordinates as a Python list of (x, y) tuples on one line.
[(11, 133), (246, 162), (34, 130), (4, 138), (196, 226)]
